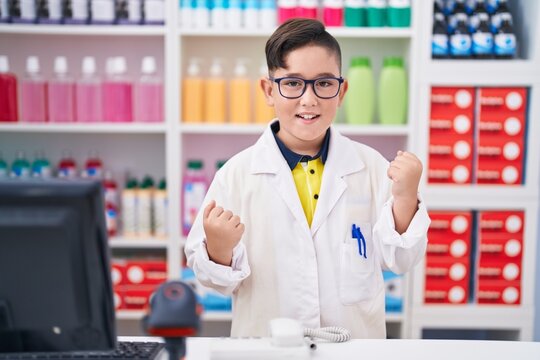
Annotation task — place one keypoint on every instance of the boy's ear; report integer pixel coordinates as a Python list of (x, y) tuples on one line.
[(342, 91), (268, 90)]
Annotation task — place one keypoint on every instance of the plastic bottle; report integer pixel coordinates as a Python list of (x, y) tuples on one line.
[(360, 102), (129, 12), (392, 96), (61, 93), (34, 93), (482, 39), (480, 11), (376, 13), (439, 40), (3, 168), (77, 12), (110, 188), (186, 18), (5, 13), (263, 112), (355, 13), (144, 207), (103, 11), (501, 13), (307, 9), (235, 14), (23, 11), (161, 206), (240, 95), (20, 168), (460, 41), (251, 14), (67, 167), (215, 95), (194, 190), (8, 93), (149, 93), (117, 93), (218, 14), (88, 93), (154, 12), (129, 209), (201, 15), (268, 14), (505, 41), (93, 167), (491, 6), (41, 167), (286, 9), (459, 14), (399, 13), (333, 12), (193, 94), (49, 11)]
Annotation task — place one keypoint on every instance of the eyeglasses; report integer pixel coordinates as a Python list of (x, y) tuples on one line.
[(294, 87)]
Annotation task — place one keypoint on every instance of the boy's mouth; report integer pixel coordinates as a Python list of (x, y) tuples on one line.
[(307, 117)]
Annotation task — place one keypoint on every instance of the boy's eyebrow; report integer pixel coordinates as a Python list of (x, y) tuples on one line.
[(298, 75)]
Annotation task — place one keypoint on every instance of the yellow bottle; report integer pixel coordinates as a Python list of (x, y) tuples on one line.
[(193, 94), (240, 95), (263, 112), (214, 95)]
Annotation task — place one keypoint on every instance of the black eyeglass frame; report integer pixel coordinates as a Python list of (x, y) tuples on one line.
[(306, 83)]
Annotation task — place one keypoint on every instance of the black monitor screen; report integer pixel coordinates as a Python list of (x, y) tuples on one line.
[(55, 286)]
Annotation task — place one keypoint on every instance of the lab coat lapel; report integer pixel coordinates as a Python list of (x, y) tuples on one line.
[(267, 158), (342, 160)]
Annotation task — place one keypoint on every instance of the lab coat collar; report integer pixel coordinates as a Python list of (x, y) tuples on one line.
[(343, 159)]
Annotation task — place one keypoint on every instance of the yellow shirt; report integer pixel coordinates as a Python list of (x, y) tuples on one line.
[(307, 178)]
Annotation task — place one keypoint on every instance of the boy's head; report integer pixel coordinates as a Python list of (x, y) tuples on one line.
[(304, 86)]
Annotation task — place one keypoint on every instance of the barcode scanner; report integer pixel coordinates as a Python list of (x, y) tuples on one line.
[(174, 315)]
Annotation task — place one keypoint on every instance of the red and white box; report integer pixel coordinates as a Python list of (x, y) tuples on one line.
[(449, 234), (447, 269), (118, 272), (453, 124), (509, 223), (451, 147), (502, 124), (500, 160), (448, 101), (134, 297), (501, 247), (146, 272), (499, 173), (444, 292), (498, 269), (446, 171), (502, 100), (498, 292)]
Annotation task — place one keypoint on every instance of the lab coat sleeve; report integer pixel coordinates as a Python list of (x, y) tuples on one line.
[(400, 253), (224, 279)]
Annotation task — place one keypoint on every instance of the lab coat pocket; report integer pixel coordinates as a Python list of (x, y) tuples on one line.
[(357, 265)]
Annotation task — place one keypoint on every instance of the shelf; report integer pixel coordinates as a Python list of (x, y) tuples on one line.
[(70, 30), (482, 72), (145, 243), (125, 128), (340, 32), (478, 196), (255, 129)]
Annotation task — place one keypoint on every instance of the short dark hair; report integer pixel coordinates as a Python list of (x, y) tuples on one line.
[(296, 33)]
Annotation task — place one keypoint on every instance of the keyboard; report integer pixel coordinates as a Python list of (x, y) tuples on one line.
[(125, 350)]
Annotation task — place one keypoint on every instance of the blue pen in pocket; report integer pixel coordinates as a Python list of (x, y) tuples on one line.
[(357, 234)]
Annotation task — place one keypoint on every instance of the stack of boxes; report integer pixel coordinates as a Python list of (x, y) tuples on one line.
[(134, 281), (501, 140), (500, 257), (448, 259), (451, 135)]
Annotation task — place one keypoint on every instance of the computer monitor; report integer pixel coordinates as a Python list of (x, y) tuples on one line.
[(55, 285)]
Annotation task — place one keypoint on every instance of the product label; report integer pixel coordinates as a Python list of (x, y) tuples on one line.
[(505, 44), (154, 10), (439, 44), (482, 43), (460, 44)]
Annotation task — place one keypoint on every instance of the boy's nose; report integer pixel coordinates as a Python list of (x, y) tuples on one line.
[(309, 98)]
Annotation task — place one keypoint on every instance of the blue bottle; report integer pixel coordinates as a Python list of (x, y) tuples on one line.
[(505, 41), (439, 40), (482, 39), (460, 41)]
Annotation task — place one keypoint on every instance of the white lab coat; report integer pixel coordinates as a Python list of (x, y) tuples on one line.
[(284, 268)]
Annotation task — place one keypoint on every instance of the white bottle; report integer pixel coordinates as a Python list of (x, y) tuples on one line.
[(267, 14), (88, 93), (149, 93), (61, 93), (251, 14), (201, 15), (161, 206), (218, 14), (103, 11), (144, 208), (185, 18), (235, 14), (154, 12), (129, 209)]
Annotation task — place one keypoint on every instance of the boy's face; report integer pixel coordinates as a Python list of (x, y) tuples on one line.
[(304, 121)]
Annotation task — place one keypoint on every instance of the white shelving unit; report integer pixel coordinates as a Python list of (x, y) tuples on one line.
[(163, 149)]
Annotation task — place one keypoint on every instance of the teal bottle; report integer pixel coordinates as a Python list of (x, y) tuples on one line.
[(376, 13), (393, 94), (360, 101), (399, 13), (21, 167), (355, 13)]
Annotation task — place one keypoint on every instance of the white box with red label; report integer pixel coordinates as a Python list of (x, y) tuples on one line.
[(502, 100), (133, 297), (501, 247), (498, 292), (146, 272), (448, 101), (448, 171), (509, 223), (449, 234), (445, 292)]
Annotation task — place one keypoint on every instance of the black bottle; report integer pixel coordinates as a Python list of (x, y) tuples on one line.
[(482, 39), (502, 13), (458, 14), (439, 40), (505, 41), (479, 11), (460, 41)]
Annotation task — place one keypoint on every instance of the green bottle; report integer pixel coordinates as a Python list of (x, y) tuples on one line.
[(376, 13), (360, 102), (399, 13), (20, 168), (355, 13), (392, 96)]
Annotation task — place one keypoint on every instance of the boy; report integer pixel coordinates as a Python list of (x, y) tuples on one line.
[(301, 224)]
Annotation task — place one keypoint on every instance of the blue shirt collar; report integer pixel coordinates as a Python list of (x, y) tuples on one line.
[(293, 158)]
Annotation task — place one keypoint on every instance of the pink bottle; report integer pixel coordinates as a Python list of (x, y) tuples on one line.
[(287, 9), (117, 92), (34, 93), (88, 93), (8, 93), (61, 93), (307, 9), (149, 93), (333, 12)]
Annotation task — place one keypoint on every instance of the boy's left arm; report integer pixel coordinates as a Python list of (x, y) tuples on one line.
[(401, 230)]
